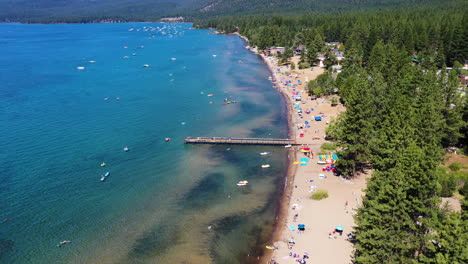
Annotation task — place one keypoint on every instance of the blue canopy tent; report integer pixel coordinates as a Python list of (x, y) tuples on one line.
[(318, 118)]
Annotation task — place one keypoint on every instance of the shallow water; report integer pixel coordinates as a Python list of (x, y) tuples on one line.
[(160, 198)]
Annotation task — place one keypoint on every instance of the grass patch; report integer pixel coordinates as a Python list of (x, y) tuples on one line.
[(320, 194), (328, 146), (455, 166)]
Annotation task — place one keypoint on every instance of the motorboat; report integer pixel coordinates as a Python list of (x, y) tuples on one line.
[(167, 139), (80, 68), (125, 149), (288, 146), (103, 164), (145, 65), (266, 166), (264, 153), (242, 183)]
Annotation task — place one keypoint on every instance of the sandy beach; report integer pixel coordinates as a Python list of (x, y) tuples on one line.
[(317, 242)]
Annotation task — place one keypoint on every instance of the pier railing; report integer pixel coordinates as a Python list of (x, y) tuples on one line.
[(239, 141)]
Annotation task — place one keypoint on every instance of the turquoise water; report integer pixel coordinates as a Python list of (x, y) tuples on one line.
[(163, 202)]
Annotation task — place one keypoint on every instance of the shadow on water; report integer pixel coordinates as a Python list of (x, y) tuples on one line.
[(156, 241), (207, 189), (5, 247), (235, 227)]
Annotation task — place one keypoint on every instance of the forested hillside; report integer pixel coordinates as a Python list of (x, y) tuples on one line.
[(404, 109), (84, 11), (297, 7), (77, 11)]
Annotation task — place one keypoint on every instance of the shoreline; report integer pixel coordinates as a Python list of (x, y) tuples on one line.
[(318, 242), (285, 197)]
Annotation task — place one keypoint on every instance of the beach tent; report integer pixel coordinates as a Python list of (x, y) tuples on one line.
[(339, 228), (304, 159), (318, 118), (301, 227)]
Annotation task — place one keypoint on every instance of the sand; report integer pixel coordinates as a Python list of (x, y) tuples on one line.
[(319, 217)]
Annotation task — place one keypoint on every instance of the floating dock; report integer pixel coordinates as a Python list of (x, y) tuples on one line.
[(239, 141)]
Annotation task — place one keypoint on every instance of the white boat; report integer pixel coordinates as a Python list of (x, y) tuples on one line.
[(264, 153), (242, 183), (80, 68), (145, 65), (288, 146), (266, 166), (125, 149)]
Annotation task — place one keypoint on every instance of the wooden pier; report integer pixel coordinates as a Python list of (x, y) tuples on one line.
[(239, 141)]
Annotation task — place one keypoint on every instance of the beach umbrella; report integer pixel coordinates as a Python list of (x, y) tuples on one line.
[(292, 227), (301, 226), (339, 228), (305, 159)]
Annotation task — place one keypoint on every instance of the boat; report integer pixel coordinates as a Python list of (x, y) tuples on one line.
[(167, 139), (103, 164), (103, 178), (266, 166), (145, 65), (125, 149), (288, 146), (106, 174), (80, 68), (64, 242), (264, 153), (242, 183)]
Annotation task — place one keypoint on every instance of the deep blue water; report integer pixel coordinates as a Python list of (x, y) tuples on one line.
[(163, 202)]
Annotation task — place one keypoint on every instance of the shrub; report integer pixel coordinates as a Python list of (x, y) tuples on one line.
[(448, 185), (320, 194), (293, 66), (456, 166), (464, 190), (304, 65), (334, 101)]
